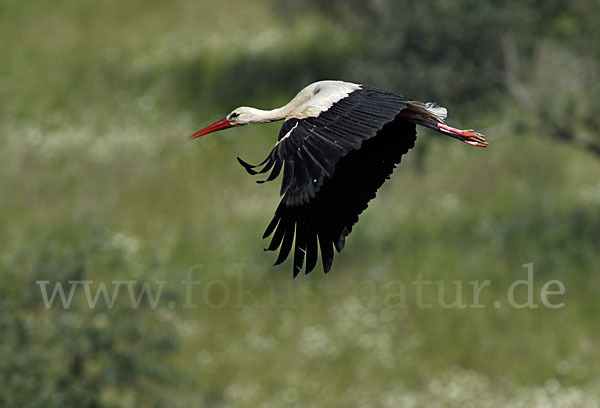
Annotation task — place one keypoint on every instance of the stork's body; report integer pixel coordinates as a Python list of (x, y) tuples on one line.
[(339, 142)]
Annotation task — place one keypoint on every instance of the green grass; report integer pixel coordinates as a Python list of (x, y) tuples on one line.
[(98, 182)]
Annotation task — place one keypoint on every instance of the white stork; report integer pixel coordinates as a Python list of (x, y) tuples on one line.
[(338, 144)]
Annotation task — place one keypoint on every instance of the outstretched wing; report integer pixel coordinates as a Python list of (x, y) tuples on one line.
[(309, 148), (333, 165), (329, 216)]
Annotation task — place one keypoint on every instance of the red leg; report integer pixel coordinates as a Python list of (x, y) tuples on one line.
[(468, 136)]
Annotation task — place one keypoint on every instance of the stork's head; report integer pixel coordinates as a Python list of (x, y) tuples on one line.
[(244, 116), (238, 117)]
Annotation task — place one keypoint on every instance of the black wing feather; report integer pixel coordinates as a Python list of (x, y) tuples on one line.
[(288, 225), (331, 214)]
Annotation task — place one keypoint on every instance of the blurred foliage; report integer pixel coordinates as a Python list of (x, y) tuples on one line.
[(78, 355), (99, 183)]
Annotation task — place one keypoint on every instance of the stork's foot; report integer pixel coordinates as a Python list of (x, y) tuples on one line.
[(468, 136)]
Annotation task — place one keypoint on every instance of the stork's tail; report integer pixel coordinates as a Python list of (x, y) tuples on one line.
[(432, 116)]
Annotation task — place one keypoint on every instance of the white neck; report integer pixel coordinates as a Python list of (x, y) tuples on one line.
[(328, 92), (263, 116)]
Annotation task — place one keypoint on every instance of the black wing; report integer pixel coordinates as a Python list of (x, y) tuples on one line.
[(333, 165)]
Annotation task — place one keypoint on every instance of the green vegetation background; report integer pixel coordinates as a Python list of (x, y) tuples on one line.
[(98, 182)]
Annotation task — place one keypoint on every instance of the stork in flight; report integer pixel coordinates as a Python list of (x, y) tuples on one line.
[(338, 144)]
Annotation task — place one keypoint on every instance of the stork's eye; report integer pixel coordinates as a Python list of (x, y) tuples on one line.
[(234, 115)]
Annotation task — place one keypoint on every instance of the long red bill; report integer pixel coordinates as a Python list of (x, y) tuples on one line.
[(218, 125)]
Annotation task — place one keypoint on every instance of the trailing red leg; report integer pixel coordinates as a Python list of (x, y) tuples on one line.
[(468, 136), (432, 116)]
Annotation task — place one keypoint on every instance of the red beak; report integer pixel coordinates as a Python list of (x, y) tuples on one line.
[(218, 125)]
